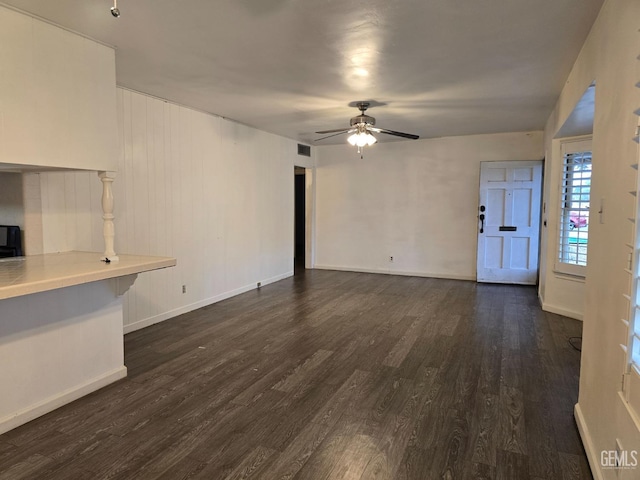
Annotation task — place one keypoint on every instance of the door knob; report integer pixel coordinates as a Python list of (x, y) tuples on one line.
[(481, 222)]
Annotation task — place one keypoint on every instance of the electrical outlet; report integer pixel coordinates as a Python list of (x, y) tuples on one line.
[(391, 259), (184, 289)]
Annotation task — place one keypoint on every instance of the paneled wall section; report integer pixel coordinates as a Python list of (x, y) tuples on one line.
[(215, 194)]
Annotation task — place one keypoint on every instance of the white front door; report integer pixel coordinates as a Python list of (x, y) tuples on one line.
[(509, 222)]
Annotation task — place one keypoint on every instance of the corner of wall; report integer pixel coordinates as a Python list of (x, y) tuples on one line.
[(32, 198)]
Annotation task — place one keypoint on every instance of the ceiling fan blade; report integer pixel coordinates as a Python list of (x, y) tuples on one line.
[(323, 132), (335, 134), (393, 132)]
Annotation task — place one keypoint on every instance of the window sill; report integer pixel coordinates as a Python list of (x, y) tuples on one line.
[(573, 277)]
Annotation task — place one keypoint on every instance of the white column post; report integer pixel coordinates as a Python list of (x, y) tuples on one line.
[(108, 230)]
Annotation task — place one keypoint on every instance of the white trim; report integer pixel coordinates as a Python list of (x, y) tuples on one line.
[(568, 146), (630, 410), (561, 310), (569, 276), (47, 405), (587, 442), (576, 144), (147, 322), (396, 272), (569, 269), (310, 218)]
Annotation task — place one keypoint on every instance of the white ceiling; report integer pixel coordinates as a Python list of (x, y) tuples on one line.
[(292, 67)]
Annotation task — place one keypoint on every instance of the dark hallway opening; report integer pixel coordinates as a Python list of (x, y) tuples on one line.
[(300, 209)]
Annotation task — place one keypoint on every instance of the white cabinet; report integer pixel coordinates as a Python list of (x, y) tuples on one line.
[(57, 97)]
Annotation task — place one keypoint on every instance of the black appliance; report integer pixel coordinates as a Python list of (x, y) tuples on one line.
[(10, 241)]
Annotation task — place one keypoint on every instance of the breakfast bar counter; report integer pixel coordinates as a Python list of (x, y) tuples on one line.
[(61, 328), (38, 273)]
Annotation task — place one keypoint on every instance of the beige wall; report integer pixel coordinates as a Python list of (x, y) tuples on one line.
[(609, 58), (414, 200)]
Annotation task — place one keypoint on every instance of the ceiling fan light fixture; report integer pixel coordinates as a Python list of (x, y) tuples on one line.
[(360, 128), (361, 139)]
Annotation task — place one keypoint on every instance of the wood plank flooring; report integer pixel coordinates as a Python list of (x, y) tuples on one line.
[(329, 375)]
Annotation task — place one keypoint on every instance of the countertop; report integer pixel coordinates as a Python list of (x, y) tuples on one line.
[(39, 273)]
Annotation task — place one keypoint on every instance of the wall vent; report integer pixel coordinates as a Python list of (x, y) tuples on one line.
[(304, 150)]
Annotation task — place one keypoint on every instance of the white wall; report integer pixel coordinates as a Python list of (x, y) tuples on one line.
[(414, 200), (608, 57), (57, 96), (215, 194), (57, 346), (558, 293)]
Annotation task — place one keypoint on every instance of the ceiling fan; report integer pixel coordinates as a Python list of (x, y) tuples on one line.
[(362, 129)]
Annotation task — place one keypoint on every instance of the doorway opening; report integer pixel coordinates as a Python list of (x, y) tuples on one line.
[(300, 181)]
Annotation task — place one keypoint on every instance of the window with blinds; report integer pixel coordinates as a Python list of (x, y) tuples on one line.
[(575, 193), (631, 378)]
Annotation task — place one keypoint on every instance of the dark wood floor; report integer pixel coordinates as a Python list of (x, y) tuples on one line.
[(329, 375)]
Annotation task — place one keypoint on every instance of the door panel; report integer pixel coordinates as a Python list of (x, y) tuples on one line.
[(520, 253), (523, 174), (522, 207), (508, 242), (493, 252), (496, 201), (496, 175)]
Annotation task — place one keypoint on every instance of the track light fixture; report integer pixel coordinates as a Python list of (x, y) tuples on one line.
[(115, 11)]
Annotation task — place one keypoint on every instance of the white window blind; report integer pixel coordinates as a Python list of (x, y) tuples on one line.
[(631, 378), (575, 193), (634, 300)]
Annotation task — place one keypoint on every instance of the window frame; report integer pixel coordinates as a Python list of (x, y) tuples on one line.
[(569, 146)]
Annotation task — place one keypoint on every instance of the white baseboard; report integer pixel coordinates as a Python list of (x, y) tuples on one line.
[(48, 405), (395, 272), (561, 311), (147, 322), (592, 455)]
